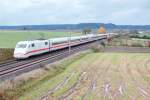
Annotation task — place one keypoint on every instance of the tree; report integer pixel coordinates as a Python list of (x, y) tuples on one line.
[(87, 31), (102, 30), (24, 28)]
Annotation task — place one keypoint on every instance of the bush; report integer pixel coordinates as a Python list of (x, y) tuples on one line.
[(136, 45), (103, 43), (146, 37), (134, 36), (148, 43), (140, 37), (97, 48), (6, 54)]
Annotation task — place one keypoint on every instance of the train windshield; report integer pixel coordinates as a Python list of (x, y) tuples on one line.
[(21, 46)]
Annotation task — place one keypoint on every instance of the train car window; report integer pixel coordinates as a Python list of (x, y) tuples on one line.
[(33, 45), (84, 38), (74, 40), (59, 43), (56, 43), (46, 43)]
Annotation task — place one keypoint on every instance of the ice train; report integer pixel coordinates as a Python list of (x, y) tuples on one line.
[(25, 49)]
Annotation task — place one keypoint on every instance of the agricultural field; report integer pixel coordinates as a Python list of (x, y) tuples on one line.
[(129, 42), (144, 33), (96, 76), (8, 39)]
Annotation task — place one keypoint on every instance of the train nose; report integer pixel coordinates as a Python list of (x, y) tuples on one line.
[(19, 55)]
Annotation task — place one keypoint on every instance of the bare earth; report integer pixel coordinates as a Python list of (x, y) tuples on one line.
[(105, 76)]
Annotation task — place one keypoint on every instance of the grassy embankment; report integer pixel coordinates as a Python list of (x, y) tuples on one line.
[(121, 76), (6, 54)]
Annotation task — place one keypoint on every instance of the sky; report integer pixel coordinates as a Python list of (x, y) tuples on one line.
[(37, 12)]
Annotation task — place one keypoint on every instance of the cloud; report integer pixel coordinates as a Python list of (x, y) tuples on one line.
[(25, 12)]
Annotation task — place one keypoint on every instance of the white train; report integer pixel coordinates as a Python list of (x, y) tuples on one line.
[(25, 49)]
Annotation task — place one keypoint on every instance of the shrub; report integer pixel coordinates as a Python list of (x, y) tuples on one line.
[(103, 43), (6, 54), (146, 37), (97, 48), (134, 36), (148, 43), (136, 45), (140, 37)]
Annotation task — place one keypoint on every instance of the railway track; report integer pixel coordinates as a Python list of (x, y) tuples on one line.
[(15, 63), (8, 62), (14, 67)]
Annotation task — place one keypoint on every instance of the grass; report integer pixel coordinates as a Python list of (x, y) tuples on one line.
[(38, 84), (131, 42), (145, 33), (117, 69), (130, 71), (64, 89), (118, 73), (44, 86), (6, 54), (8, 39)]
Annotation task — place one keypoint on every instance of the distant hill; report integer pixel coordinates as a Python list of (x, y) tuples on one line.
[(74, 26)]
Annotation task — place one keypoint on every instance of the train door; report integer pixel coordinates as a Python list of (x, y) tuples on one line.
[(46, 46), (50, 45), (32, 49), (42, 47)]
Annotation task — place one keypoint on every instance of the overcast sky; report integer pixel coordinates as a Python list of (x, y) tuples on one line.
[(29, 12)]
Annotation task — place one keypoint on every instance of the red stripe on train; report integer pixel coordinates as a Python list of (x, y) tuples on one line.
[(37, 50), (54, 46)]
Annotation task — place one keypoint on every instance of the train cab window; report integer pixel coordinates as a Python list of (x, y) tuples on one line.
[(21, 46), (46, 43), (32, 45)]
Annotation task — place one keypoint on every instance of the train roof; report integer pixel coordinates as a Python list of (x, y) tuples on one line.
[(60, 39), (30, 41)]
